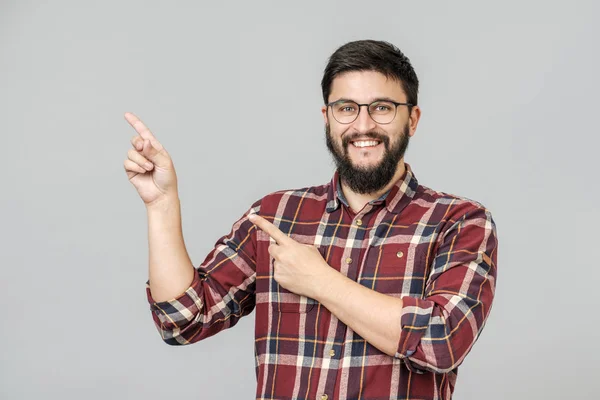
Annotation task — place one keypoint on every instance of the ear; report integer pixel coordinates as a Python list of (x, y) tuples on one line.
[(415, 116), (324, 112)]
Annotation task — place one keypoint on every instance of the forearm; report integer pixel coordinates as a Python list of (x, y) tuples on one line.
[(373, 315), (170, 269)]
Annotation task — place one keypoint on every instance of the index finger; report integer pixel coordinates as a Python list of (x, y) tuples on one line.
[(139, 126), (269, 228)]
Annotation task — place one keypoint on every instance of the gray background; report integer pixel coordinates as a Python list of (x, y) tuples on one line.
[(509, 92)]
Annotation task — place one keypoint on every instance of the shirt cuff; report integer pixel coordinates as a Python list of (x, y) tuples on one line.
[(179, 311), (415, 319)]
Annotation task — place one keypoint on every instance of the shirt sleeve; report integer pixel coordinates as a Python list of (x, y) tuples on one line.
[(222, 291), (438, 331)]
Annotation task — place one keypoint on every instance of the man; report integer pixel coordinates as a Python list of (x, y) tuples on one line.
[(371, 286)]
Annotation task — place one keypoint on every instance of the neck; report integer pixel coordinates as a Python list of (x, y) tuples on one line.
[(357, 201)]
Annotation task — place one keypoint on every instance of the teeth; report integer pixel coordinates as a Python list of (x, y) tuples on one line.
[(366, 143)]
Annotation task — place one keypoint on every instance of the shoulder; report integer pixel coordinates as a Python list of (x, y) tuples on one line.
[(451, 208)]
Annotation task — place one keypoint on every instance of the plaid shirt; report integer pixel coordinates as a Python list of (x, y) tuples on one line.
[(434, 250)]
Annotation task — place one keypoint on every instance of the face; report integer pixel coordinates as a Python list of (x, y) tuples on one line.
[(367, 153)]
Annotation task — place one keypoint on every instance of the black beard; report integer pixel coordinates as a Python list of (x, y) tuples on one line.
[(372, 179)]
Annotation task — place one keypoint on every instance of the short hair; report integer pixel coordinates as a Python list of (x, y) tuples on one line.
[(371, 55)]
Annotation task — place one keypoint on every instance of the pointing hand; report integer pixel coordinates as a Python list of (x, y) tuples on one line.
[(148, 165)]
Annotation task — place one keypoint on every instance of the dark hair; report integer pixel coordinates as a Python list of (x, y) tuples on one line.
[(372, 55)]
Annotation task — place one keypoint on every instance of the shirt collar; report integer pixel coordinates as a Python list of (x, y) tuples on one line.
[(398, 197)]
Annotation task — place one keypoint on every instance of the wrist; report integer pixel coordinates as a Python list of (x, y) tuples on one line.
[(326, 283), (164, 204)]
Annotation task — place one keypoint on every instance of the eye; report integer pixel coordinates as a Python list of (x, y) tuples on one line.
[(382, 107), (346, 108)]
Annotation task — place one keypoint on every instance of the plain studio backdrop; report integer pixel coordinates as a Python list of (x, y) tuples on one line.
[(509, 92)]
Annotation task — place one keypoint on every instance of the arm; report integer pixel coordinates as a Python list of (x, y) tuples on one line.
[(219, 292), (187, 304), (170, 269), (373, 315), (435, 332)]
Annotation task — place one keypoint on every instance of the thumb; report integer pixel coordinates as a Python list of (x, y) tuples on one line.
[(156, 153)]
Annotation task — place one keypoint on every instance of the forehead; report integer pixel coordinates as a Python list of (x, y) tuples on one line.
[(365, 86)]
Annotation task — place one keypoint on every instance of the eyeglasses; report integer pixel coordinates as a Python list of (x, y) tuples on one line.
[(381, 111)]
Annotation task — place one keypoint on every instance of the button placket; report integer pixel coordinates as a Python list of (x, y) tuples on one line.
[(358, 219)]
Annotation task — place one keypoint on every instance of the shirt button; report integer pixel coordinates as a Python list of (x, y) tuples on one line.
[(324, 397), (331, 353), (348, 260), (399, 254), (359, 222)]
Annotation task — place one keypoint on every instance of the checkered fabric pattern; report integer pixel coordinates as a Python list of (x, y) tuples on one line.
[(434, 250)]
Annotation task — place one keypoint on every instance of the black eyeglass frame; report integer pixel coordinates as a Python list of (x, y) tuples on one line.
[(395, 103)]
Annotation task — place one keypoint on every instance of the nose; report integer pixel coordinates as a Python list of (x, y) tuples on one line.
[(364, 122)]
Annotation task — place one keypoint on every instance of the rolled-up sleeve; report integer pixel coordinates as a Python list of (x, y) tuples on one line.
[(222, 291), (439, 330)]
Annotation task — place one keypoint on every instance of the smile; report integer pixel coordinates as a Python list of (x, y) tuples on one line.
[(365, 143)]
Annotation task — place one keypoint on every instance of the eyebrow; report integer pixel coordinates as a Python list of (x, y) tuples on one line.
[(376, 99)]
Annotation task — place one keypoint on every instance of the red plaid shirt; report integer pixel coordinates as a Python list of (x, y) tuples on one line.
[(434, 250)]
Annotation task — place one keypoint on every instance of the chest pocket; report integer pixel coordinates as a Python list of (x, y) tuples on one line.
[(288, 302), (392, 269)]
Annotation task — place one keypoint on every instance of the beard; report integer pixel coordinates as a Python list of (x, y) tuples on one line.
[(365, 180)]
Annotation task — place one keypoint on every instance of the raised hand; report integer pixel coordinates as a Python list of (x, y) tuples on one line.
[(148, 165)]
